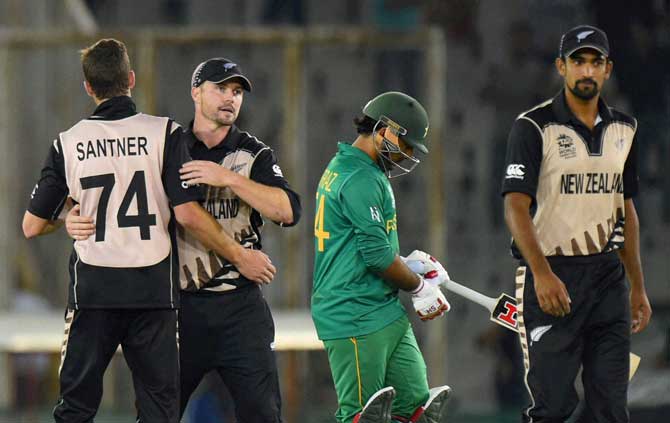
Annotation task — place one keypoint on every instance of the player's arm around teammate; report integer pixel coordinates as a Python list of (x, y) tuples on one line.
[(272, 202), (253, 264)]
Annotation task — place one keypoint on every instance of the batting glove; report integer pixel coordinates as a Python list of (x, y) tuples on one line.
[(429, 301), (427, 266)]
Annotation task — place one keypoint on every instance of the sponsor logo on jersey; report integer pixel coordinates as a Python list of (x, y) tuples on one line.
[(392, 224), (566, 147), (515, 171), (591, 183), (32, 194), (277, 170)]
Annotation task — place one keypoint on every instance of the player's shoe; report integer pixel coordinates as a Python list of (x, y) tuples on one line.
[(435, 409), (378, 407)]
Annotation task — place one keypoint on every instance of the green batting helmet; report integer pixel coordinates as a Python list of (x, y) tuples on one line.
[(406, 112)]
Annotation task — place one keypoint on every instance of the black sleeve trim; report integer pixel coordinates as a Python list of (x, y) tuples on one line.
[(51, 191), (523, 158), (296, 207), (630, 170)]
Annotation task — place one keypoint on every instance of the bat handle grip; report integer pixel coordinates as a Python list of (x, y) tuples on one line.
[(472, 295)]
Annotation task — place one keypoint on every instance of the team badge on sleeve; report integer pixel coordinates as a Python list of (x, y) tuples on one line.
[(515, 171), (375, 214)]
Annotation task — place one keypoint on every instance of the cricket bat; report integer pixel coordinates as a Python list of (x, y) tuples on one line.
[(504, 312)]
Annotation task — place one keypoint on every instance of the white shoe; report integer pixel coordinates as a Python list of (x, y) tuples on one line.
[(378, 407)]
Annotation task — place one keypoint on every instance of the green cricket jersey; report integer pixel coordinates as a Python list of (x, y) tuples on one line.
[(355, 238)]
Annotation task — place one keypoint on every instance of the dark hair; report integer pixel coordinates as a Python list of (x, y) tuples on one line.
[(106, 67), (364, 124)]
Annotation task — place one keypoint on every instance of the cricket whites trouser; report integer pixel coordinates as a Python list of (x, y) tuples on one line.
[(362, 365), (595, 335), (148, 338)]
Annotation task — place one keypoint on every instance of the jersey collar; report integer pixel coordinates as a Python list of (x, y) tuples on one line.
[(230, 142), (115, 108), (564, 114), (349, 150)]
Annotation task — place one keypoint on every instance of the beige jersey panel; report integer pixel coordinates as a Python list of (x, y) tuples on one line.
[(123, 149), (580, 195), (197, 263)]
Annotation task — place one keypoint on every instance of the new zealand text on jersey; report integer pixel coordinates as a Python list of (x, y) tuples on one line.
[(225, 208), (591, 183), (112, 147)]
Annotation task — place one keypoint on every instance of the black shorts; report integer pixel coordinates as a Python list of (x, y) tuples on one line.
[(149, 342), (594, 335), (232, 333)]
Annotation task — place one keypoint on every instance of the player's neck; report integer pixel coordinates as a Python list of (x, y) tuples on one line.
[(584, 110), (364, 143), (210, 133)]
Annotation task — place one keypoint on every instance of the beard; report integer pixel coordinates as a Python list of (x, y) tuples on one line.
[(585, 91), (213, 114)]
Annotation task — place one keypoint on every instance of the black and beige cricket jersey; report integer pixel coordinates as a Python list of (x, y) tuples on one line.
[(578, 179), (202, 270), (122, 167)]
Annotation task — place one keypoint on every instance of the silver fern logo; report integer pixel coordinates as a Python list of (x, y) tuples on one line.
[(538, 332), (583, 34)]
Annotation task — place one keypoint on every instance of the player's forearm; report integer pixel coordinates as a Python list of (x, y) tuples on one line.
[(400, 276), (271, 202), (208, 231), (630, 254), (35, 226), (523, 231), (52, 226)]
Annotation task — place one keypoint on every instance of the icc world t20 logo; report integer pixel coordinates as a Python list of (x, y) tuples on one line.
[(566, 147)]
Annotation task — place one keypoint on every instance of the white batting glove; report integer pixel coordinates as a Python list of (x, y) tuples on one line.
[(429, 301), (427, 266)]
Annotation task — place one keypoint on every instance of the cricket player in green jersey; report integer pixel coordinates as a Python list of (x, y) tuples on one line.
[(377, 367)]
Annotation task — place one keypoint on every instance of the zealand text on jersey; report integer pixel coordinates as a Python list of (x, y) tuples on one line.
[(225, 208), (591, 183), (112, 147)]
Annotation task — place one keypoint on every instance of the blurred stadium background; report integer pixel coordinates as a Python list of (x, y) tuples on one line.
[(313, 63)]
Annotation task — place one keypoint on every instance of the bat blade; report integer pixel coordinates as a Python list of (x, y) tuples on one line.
[(634, 364)]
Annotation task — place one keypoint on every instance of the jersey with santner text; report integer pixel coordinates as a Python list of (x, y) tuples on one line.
[(122, 167)]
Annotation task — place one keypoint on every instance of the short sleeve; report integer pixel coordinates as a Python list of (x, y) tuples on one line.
[(630, 175), (266, 171), (362, 203), (523, 158), (175, 155), (51, 191)]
